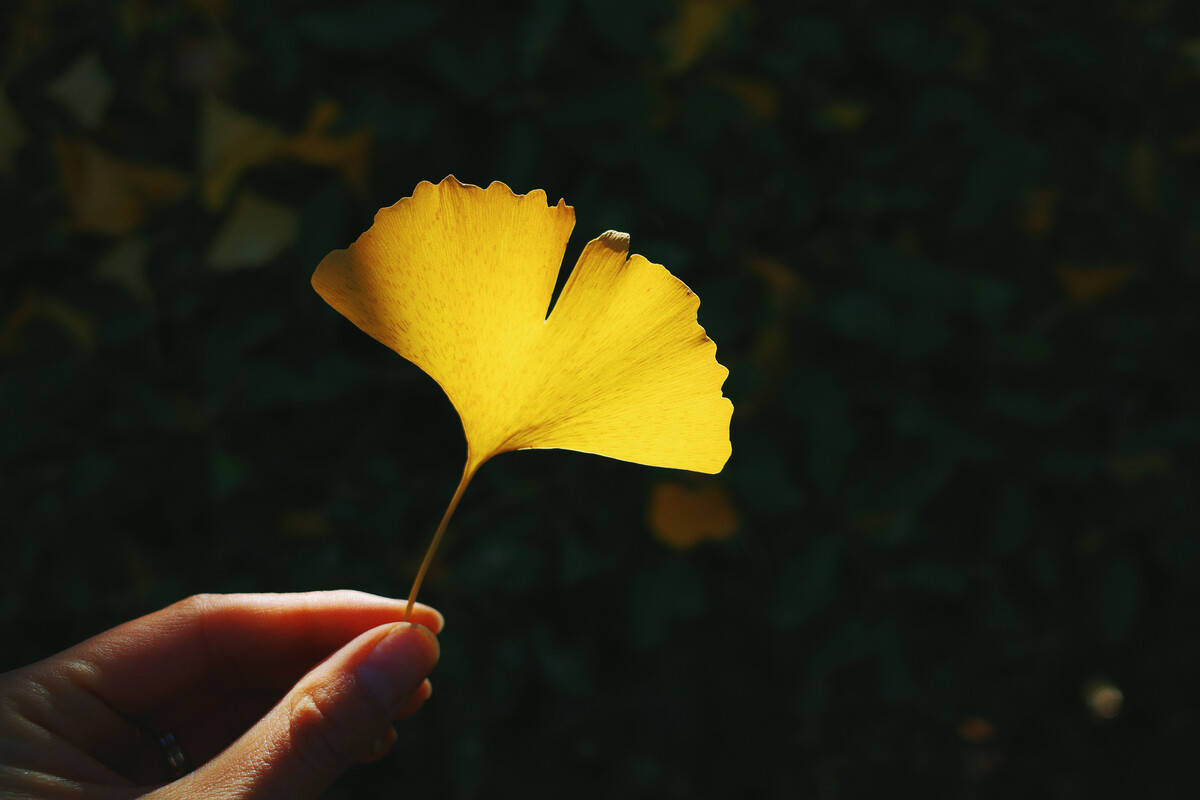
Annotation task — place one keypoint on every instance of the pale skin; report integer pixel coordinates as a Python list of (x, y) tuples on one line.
[(267, 695)]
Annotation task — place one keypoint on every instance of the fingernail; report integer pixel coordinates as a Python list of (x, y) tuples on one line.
[(399, 662)]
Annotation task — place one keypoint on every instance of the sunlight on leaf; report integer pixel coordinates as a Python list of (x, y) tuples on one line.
[(256, 231), (458, 280), (84, 89), (682, 518)]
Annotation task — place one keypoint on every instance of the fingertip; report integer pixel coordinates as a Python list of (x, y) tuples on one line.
[(428, 616)]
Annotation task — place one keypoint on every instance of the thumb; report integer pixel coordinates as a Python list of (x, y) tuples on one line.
[(327, 722)]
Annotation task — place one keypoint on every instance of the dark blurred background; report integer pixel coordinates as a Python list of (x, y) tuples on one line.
[(949, 256)]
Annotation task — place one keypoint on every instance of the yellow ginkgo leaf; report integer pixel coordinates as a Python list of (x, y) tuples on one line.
[(458, 280)]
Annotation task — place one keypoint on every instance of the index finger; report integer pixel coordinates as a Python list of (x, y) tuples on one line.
[(254, 640)]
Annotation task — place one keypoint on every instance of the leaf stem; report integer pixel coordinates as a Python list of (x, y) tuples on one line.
[(468, 473)]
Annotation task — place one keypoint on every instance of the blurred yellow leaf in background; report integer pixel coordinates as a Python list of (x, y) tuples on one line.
[(976, 730), (35, 306), (107, 195), (682, 518), (84, 89), (232, 142), (1142, 183), (1086, 284), (1039, 211), (348, 153), (694, 29), (255, 232), (759, 97), (847, 115)]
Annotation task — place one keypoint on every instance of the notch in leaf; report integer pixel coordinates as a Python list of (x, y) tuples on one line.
[(458, 280)]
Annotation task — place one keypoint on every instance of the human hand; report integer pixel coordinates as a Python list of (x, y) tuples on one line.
[(266, 695)]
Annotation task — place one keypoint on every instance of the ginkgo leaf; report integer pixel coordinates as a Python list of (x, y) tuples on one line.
[(458, 280)]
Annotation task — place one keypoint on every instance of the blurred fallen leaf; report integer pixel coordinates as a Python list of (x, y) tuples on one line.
[(348, 154), (1141, 176), (1103, 698), (206, 63), (682, 518), (138, 15), (976, 730), (1086, 284), (784, 282), (304, 525), (976, 44), (230, 143), (458, 280), (36, 306), (12, 133), (1137, 466), (255, 231), (846, 115), (696, 26), (233, 142), (760, 97), (219, 9), (84, 89), (125, 265), (110, 196), (31, 27), (1039, 211)]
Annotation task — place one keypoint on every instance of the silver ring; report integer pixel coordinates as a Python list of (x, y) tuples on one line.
[(177, 763)]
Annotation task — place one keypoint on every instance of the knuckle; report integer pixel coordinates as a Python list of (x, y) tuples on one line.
[(197, 605), (315, 736)]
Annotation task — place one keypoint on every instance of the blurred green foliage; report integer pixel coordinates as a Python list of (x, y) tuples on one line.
[(949, 254)]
